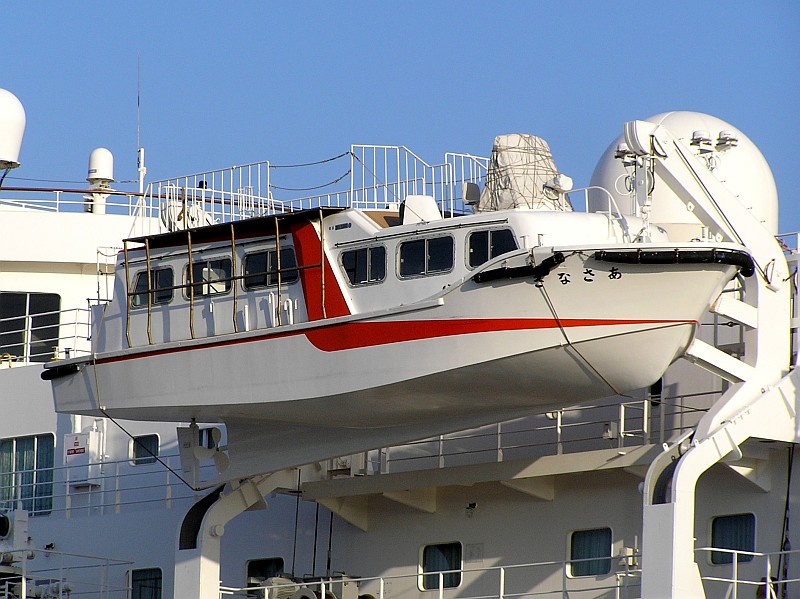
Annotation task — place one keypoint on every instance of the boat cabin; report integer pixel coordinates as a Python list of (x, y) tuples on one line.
[(297, 267)]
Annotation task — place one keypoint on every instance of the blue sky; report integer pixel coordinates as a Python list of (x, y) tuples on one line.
[(229, 83)]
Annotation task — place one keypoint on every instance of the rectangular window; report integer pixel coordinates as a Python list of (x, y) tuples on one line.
[(146, 583), (485, 245), (259, 570), (594, 548), (443, 557), (210, 277), (161, 283), (29, 325), (365, 266), (145, 449), (261, 268), (26, 472), (737, 532), (426, 256)]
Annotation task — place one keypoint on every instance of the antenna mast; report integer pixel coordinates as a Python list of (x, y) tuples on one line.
[(139, 149)]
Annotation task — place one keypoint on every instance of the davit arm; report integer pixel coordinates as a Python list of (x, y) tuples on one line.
[(761, 402)]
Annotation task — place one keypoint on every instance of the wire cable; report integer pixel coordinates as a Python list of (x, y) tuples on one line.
[(147, 449), (552, 309), (334, 182), (326, 160), (122, 428)]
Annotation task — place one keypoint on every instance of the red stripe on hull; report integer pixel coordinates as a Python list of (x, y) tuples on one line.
[(368, 334), (355, 335)]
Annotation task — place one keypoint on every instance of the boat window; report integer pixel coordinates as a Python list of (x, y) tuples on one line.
[(145, 449), (482, 246), (161, 284), (26, 473), (146, 583), (29, 326), (210, 277), (590, 552), (426, 256), (261, 268), (365, 265), (259, 570), (442, 557), (736, 532)]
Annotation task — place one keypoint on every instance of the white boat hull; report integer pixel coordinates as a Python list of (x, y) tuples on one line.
[(479, 348)]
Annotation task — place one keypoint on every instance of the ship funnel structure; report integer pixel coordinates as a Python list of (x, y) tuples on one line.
[(12, 128), (99, 175)]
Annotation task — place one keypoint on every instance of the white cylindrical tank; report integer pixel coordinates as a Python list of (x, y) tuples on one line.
[(724, 150), (12, 127), (101, 167)]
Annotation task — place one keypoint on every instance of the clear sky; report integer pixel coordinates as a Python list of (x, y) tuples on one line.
[(226, 83)]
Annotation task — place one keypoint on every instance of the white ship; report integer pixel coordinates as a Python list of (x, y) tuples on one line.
[(625, 350)]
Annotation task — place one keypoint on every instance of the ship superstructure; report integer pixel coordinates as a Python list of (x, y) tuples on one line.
[(619, 475)]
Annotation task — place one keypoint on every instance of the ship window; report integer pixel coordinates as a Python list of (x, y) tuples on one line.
[(440, 564), (261, 268), (210, 277), (161, 284), (426, 256), (26, 473), (29, 325), (366, 265), (590, 552), (146, 583), (145, 449), (259, 570), (485, 245), (736, 532)]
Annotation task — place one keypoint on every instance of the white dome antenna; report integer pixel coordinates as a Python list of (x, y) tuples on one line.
[(101, 168), (12, 128), (99, 175)]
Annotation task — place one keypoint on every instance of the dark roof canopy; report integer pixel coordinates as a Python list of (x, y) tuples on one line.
[(242, 229)]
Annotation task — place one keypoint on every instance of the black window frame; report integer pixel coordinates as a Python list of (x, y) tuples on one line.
[(32, 484), (374, 274), (490, 251), (148, 576), (147, 455), (719, 558), (590, 565), (425, 243), (428, 579), (264, 574), (289, 274), (27, 332), (161, 292), (199, 282)]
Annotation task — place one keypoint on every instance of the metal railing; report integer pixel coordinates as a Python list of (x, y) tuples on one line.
[(579, 428), (42, 336), (545, 579), (59, 575), (747, 574), (101, 487)]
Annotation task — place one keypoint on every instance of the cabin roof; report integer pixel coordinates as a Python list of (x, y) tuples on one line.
[(251, 227)]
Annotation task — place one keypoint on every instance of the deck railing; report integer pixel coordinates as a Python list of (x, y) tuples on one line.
[(750, 574), (58, 574), (541, 580), (42, 336)]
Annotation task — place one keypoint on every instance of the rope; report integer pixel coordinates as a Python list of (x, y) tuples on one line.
[(346, 173), (310, 163)]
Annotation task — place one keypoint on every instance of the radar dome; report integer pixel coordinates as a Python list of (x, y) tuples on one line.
[(724, 150), (101, 167), (12, 127)]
